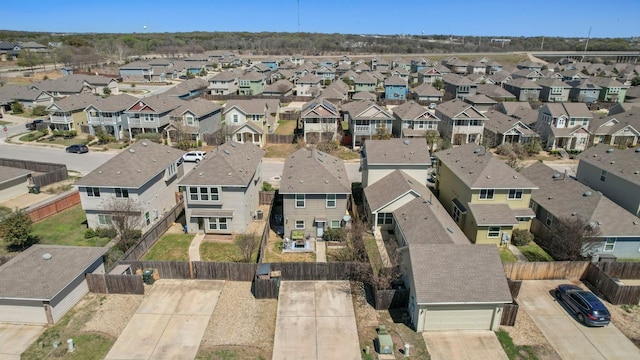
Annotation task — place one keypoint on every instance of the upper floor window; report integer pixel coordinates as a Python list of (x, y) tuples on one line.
[(190, 120), (171, 170), (256, 117), (331, 200), (515, 194), (486, 194), (93, 192), (244, 82), (300, 201), (204, 193), (603, 175), (122, 193)]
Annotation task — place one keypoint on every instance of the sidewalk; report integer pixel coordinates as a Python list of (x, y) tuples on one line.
[(321, 251), (194, 247)]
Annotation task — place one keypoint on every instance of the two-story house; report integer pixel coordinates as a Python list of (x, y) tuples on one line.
[(221, 195), (561, 198), (315, 190), (564, 125), (365, 82), (68, 113), (308, 85), (429, 75), (583, 91), (366, 119), (524, 89), (611, 90), (458, 87), (108, 114), (327, 74), (136, 71), (614, 173), (224, 83), (502, 128), (319, 119), (382, 157), (251, 83), (553, 90), (251, 120), (427, 93), (150, 114), (191, 120), (395, 88), (413, 120), (140, 181), (460, 123), (485, 197)]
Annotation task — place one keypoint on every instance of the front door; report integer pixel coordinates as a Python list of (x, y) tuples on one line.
[(319, 229)]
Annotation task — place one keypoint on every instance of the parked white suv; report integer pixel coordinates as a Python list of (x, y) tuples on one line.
[(194, 156)]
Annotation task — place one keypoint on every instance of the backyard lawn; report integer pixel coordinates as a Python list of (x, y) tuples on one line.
[(533, 252), (279, 150), (286, 127), (506, 255), (223, 252), (170, 247), (66, 228)]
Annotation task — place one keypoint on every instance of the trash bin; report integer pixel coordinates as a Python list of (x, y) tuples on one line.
[(34, 189), (147, 277), (259, 214)]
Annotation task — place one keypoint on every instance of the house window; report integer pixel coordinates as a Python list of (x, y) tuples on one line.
[(515, 194), (122, 193), (534, 206), (549, 220), (603, 175), (215, 195), (385, 218), (216, 223), (239, 138), (104, 219), (456, 214), (486, 194), (147, 218), (493, 232), (148, 117), (335, 224), (190, 120), (204, 193), (235, 118), (93, 192), (171, 170), (609, 244), (331, 200), (300, 201), (300, 224), (256, 117)]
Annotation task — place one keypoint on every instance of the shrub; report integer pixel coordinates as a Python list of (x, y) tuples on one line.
[(335, 234), (17, 108), (89, 233), (533, 147), (106, 232), (267, 186), (39, 110), (155, 137), (328, 147), (521, 237), (504, 149)]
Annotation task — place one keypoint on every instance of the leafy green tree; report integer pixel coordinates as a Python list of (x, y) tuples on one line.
[(433, 138), (16, 228), (29, 59), (382, 134), (438, 84), (106, 91), (635, 81), (16, 107), (39, 110)]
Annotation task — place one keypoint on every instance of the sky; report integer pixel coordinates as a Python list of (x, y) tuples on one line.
[(568, 18)]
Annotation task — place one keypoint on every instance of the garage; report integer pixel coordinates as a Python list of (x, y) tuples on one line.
[(41, 284), (455, 287)]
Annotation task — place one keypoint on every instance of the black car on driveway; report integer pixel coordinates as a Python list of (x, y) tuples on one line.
[(77, 148), (588, 308)]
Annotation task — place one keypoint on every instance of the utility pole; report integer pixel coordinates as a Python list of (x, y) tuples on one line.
[(586, 45)]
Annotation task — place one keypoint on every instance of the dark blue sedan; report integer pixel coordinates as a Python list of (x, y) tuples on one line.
[(588, 308)]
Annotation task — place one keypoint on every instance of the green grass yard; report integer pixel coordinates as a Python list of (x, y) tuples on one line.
[(533, 252), (170, 247), (223, 252), (66, 228)]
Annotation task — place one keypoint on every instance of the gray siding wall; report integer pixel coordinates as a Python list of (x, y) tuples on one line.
[(619, 190), (315, 207)]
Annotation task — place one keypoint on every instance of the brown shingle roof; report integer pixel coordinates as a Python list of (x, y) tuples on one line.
[(309, 171), (390, 188), (492, 214), (397, 151)]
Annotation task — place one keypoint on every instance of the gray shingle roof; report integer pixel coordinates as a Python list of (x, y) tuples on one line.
[(458, 274), (309, 171), (74, 102), (622, 163), (492, 214), (411, 110), (389, 188), (459, 109), (426, 89), (494, 91), (231, 164), (225, 76), (397, 151), (9, 93), (254, 106), (523, 83), (186, 87), (500, 123), (366, 110), (133, 167), (482, 170), (160, 103), (395, 81), (30, 276), (114, 103), (572, 110), (199, 107), (565, 196)]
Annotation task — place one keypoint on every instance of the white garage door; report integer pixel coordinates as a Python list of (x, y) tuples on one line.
[(458, 318), (23, 314)]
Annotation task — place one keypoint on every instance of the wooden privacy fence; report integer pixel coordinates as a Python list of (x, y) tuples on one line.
[(292, 271), (200, 270), (390, 298), (280, 139), (265, 238), (115, 284), (50, 172), (265, 288), (266, 197), (514, 287), (573, 270), (621, 270), (614, 291), (54, 206), (509, 314), (152, 235)]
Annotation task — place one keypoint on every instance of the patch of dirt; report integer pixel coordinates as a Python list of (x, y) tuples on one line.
[(111, 313), (525, 332), (627, 319)]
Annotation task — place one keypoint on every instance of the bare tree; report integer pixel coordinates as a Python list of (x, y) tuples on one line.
[(248, 244), (571, 238), (125, 220)]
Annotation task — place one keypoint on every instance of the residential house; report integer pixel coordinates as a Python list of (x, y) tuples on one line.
[(42, 283), (381, 157), (480, 79), (260, 68), (224, 83), (413, 120), (222, 194), (583, 91), (361, 67), (611, 90), (150, 114), (417, 65), (401, 73), (108, 114), (501, 129), (561, 198), (619, 130), (342, 69), (251, 120), (9, 50), (624, 107), (614, 173), (251, 83), (68, 113), (308, 85), (500, 77), (365, 82), (380, 65), (395, 88), (327, 74), (366, 119), (485, 197), (460, 123), (476, 67), (136, 71), (493, 67), (297, 59), (193, 119), (64, 86), (188, 89), (319, 119), (476, 301), (573, 75), (529, 65), (338, 91), (564, 125), (279, 88), (140, 180), (458, 87), (344, 60), (315, 191), (429, 75), (523, 89), (27, 97), (426, 92), (456, 65), (495, 92), (481, 102), (553, 90), (531, 75)]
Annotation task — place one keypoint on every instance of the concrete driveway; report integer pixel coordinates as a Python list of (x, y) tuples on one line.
[(568, 337), (16, 338), (170, 322), (464, 345), (316, 321)]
